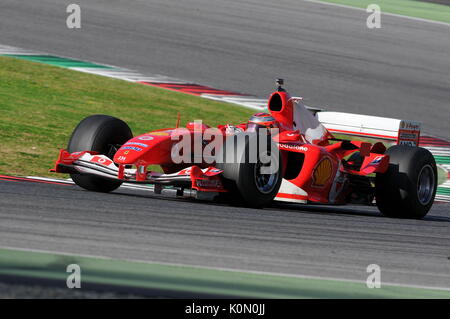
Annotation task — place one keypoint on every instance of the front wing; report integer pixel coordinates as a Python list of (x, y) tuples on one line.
[(91, 163)]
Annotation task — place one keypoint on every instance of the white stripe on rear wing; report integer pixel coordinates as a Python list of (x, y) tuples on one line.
[(401, 131)]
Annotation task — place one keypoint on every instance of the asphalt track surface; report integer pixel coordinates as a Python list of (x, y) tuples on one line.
[(325, 54), (339, 242)]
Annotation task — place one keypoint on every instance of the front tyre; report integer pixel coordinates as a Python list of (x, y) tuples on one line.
[(253, 175), (102, 134), (408, 188)]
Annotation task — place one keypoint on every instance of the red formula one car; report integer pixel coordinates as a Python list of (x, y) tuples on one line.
[(297, 159)]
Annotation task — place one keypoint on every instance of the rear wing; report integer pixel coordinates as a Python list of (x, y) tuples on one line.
[(402, 132)]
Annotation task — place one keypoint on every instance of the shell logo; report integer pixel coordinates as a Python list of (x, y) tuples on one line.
[(323, 172)]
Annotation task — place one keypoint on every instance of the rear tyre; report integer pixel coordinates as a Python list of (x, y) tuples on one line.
[(99, 133), (408, 188), (243, 176)]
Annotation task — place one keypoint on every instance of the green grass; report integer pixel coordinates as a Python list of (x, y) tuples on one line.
[(40, 105), (412, 8)]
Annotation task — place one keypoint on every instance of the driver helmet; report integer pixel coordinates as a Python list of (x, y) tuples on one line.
[(261, 120)]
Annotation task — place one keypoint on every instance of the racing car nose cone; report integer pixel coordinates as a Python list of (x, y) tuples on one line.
[(137, 149)]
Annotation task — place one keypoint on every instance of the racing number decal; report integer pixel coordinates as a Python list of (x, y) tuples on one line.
[(145, 138), (322, 173)]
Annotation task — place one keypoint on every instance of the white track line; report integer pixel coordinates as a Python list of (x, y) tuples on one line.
[(49, 179), (442, 198), (69, 181), (382, 12), (440, 151), (446, 184)]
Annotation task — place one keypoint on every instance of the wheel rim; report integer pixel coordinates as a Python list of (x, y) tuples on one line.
[(265, 183), (425, 185)]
